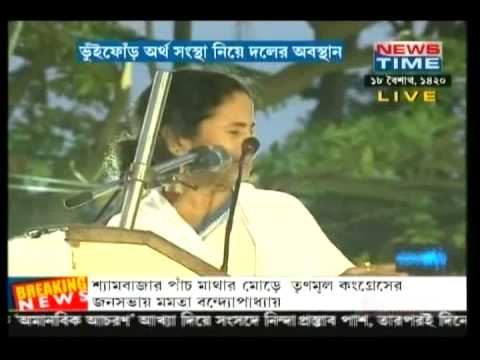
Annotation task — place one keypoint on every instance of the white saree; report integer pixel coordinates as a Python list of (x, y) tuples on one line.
[(273, 235)]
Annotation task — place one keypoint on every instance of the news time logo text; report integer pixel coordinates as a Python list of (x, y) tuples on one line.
[(414, 65)]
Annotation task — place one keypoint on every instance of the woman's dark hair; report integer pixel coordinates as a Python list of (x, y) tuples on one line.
[(194, 95)]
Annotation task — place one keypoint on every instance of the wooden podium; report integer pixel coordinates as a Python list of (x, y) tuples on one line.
[(78, 234)]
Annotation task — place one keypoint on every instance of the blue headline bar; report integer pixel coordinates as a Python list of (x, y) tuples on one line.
[(210, 51)]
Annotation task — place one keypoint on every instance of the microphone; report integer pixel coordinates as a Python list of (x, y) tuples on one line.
[(206, 158), (216, 159), (250, 146)]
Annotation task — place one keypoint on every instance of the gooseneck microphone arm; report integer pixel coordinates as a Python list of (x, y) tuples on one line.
[(249, 148)]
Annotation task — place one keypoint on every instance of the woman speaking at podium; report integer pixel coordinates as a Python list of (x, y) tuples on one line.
[(271, 234)]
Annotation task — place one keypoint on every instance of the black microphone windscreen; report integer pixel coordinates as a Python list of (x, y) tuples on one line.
[(250, 146)]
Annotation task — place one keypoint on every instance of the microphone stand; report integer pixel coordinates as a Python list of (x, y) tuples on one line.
[(145, 148), (233, 204), (135, 180)]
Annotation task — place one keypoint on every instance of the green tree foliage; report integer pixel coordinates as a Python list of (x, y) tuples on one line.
[(57, 103), (61, 111), (383, 178)]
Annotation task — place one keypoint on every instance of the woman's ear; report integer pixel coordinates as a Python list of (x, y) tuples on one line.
[(176, 144)]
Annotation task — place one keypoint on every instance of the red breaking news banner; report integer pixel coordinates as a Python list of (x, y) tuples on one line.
[(52, 294)]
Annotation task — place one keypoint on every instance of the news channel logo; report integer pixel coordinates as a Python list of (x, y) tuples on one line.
[(413, 65), (405, 57)]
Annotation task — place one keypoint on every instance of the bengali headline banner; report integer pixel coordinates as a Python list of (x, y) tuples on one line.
[(95, 51), (239, 294)]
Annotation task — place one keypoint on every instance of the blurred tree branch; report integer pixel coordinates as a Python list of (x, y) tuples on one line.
[(335, 30), (331, 93), (182, 30), (297, 77), (17, 28), (149, 32)]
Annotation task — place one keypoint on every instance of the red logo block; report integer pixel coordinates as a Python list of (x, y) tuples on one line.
[(56, 294)]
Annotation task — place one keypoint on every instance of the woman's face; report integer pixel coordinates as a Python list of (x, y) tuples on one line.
[(232, 122)]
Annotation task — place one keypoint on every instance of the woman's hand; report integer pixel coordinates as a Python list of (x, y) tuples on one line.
[(374, 270)]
